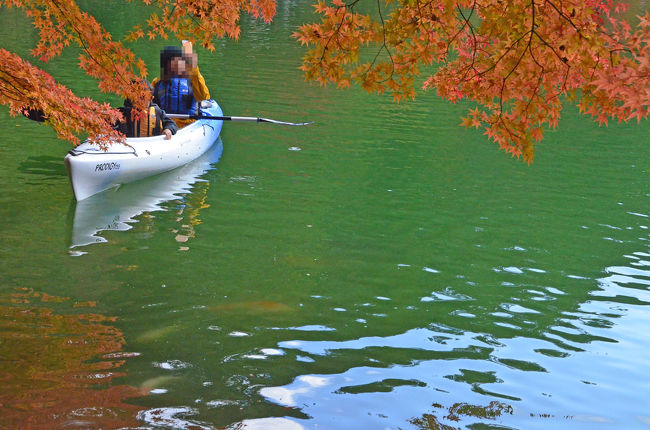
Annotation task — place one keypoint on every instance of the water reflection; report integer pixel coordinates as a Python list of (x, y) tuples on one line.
[(49, 348), (567, 372), (172, 418), (116, 209)]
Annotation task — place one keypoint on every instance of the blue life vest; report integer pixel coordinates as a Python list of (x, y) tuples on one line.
[(175, 96)]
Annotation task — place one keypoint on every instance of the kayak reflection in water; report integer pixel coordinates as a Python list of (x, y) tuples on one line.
[(133, 205)]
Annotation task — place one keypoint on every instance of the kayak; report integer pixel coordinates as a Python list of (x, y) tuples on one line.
[(93, 170)]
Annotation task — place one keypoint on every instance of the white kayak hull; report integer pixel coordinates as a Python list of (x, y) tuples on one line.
[(93, 170)]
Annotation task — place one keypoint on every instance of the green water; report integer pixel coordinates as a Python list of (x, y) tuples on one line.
[(383, 268)]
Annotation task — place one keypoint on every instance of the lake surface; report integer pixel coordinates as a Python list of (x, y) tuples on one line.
[(383, 268)]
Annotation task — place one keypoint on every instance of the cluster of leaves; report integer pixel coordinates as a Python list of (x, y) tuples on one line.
[(61, 23), (24, 87), (201, 20), (516, 60)]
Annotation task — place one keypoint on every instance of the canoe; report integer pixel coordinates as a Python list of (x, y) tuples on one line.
[(92, 170)]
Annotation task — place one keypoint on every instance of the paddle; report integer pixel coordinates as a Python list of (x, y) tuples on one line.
[(236, 118)]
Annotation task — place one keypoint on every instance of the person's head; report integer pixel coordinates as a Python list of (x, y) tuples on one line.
[(170, 59)]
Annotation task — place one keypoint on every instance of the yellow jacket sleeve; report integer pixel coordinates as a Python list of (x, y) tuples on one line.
[(199, 88)]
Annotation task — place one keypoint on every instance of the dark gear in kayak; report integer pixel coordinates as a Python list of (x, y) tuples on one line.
[(152, 124)]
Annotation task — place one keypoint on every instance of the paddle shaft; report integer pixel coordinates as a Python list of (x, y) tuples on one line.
[(235, 118), (220, 118)]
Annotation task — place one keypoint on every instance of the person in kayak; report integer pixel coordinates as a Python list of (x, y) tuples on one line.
[(154, 122), (181, 86)]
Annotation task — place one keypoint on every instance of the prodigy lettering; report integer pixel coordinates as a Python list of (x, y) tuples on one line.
[(102, 167)]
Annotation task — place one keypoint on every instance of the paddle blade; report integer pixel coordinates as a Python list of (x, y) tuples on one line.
[(272, 121)]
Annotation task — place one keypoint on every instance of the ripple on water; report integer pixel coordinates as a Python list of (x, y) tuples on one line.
[(313, 327), (238, 334), (172, 365), (463, 314), (223, 403), (501, 315), (507, 325), (448, 294), (518, 309), (270, 424), (264, 354), (555, 291), (172, 417), (512, 269)]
